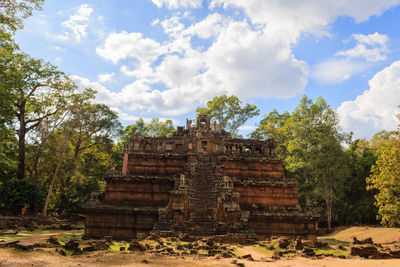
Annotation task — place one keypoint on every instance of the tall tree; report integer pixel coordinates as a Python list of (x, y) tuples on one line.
[(229, 112), (385, 178), (38, 91), (310, 146)]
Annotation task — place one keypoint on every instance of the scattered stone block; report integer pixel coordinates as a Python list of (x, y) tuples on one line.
[(8, 243), (53, 240), (284, 243), (24, 245), (364, 241), (299, 244), (277, 255), (248, 257)]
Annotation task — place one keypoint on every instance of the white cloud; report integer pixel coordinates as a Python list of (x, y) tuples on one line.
[(337, 70), (251, 58), (306, 15), (129, 45), (174, 4), (105, 77), (78, 22), (371, 47), (206, 28), (368, 48), (56, 47), (247, 128), (172, 26), (377, 107)]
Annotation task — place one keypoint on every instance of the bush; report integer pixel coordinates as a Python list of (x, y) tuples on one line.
[(16, 193)]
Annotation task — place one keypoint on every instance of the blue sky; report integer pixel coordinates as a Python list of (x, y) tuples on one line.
[(163, 58)]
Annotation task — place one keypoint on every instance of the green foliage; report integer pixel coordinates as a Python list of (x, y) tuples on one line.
[(8, 152), (228, 112), (15, 193), (310, 145), (12, 12), (385, 177), (357, 207), (155, 128)]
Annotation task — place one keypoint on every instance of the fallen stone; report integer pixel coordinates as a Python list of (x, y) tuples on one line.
[(308, 252), (145, 261), (61, 251), (364, 241), (136, 246), (72, 244), (265, 259), (248, 257), (363, 251), (320, 244), (298, 245), (53, 240), (284, 243), (24, 245), (240, 264), (8, 243), (277, 255)]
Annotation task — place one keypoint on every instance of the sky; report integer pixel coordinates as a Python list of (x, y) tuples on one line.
[(164, 58)]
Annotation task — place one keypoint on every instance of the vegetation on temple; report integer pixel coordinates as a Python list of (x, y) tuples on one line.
[(56, 144)]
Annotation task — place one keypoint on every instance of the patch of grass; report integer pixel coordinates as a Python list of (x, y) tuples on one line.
[(67, 237), (333, 241), (115, 246), (333, 251)]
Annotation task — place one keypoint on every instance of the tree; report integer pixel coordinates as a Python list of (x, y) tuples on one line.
[(12, 12), (310, 146), (80, 151), (155, 128), (357, 206), (228, 112), (38, 91), (385, 178)]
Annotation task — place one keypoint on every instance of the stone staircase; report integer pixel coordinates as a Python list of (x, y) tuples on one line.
[(202, 192)]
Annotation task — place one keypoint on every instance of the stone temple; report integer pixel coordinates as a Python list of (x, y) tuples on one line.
[(200, 181)]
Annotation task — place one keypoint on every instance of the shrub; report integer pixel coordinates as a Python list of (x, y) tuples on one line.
[(16, 193)]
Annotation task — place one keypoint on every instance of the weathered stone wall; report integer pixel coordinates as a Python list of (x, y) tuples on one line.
[(150, 192), (119, 222), (156, 164), (266, 195), (256, 168)]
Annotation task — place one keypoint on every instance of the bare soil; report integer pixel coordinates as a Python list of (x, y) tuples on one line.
[(10, 257), (49, 256)]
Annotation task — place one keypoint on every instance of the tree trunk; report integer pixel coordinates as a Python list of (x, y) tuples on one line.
[(46, 203), (35, 167), (328, 201), (21, 152)]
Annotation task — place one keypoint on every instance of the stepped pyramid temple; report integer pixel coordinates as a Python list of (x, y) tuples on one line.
[(200, 181)]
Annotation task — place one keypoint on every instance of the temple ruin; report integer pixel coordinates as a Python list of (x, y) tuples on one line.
[(199, 181)]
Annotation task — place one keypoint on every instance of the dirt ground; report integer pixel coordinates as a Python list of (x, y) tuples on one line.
[(49, 257), (9, 257)]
